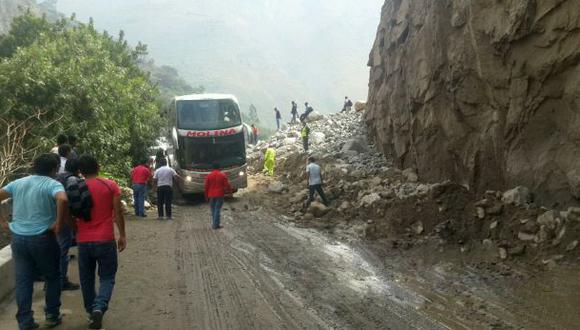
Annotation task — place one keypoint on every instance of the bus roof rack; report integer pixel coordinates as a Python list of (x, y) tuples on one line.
[(200, 97)]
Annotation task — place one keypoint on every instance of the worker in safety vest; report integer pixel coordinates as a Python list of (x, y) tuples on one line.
[(304, 134), (270, 161)]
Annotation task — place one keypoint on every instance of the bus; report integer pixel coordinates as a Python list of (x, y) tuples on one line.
[(207, 129)]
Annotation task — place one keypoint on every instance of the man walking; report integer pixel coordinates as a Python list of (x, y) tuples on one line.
[(314, 176), (304, 134), (217, 186), (163, 179), (96, 241), (64, 152), (278, 117), (39, 205), (140, 176), (80, 203), (294, 112)]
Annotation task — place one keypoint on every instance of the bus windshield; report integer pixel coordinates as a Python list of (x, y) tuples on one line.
[(202, 153), (208, 114)]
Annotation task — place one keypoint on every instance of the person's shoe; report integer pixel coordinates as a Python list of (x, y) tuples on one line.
[(33, 326), (53, 322), (144, 216), (96, 320), (69, 286), (169, 218), (218, 227), (160, 218)]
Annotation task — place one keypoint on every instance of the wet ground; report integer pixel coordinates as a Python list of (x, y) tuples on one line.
[(262, 272)]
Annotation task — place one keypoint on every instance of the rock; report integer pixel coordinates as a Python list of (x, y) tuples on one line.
[(530, 227), (370, 199), (487, 244), (559, 237), (517, 251), (357, 145), (277, 187), (360, 106), (549, 219), (418, 227), (148, 205), (574, 214), (496, 122), (574, 182), (308, 217), (502, 253), (497, 209), (318, 210), (411, 175), (518, 196), (526, 237), (317, 137), (314, 116), (480, 212), (482, 203), (5, 210), (493, 225), (376, 181), (344, 206), (572, 246)]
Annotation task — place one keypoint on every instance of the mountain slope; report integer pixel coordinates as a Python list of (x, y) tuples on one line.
[(267, 52)]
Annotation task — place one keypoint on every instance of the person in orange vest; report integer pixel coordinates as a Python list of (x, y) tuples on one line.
[(255, 134), (217, 186)]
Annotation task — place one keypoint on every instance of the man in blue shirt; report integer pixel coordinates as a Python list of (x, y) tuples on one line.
[(39, 204)]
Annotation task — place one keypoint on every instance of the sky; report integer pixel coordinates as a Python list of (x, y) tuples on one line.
[(267, 52)]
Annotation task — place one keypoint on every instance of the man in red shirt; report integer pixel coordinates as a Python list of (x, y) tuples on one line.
[(140, 176), (96, 241), (216, 187)]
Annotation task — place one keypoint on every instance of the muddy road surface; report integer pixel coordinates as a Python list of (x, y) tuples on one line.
[(262, 272), (255, 273)]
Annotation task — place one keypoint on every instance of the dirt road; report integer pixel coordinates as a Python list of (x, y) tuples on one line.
[(256, 273), (261, 272)]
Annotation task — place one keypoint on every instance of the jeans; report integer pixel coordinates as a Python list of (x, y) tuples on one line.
[(305, 143), (65, 241), (139, 192), (164, 198), (317, 188), (216, 204), (33, 255), (278, 123), (103, 255)]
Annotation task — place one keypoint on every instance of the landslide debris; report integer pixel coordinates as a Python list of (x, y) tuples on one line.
[(373, 200)]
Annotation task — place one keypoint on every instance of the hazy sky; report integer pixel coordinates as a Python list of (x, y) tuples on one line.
[(268, 52)]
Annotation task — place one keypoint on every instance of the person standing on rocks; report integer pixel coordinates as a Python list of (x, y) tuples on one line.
[(314, 176), (294, 112), (307, 111), (96, 241), (140, 176), (305, 134), (163, 179), (347, 105), (217, 186), (39, 206), (278, 117)]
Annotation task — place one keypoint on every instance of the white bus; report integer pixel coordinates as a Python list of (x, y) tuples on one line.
[(207, 129)]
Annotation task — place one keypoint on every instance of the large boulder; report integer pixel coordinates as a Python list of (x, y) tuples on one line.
[(518, 196), (485, 92), (357, 145), (574, 182), (318, 210), (360, 106), (314, 116)]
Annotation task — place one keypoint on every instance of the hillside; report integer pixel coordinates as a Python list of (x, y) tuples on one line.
[(11, 8), (267, 52)]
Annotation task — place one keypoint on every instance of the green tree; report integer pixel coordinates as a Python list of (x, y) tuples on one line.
[(84, 82)]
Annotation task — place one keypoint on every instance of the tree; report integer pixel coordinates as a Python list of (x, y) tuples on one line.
[(86, 82), (253, 114)]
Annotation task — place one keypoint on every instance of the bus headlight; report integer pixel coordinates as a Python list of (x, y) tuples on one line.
[(188, 178), (242, 173)]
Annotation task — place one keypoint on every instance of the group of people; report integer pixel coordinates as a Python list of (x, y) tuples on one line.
[(47, 208), (347, 107)]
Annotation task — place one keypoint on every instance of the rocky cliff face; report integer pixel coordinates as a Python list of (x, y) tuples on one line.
[(10, 9), (483, 92)]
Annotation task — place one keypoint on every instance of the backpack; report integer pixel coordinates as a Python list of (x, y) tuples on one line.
[(79, 197), (349, 103)]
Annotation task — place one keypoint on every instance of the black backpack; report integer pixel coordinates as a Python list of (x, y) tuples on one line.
[(79, 196)]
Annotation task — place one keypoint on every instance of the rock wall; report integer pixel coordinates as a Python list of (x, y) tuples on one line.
[(12, 8), (483, 92)]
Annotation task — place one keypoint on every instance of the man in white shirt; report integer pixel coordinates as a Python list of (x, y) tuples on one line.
[(163, 179), (314, 175), (64, 152)]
